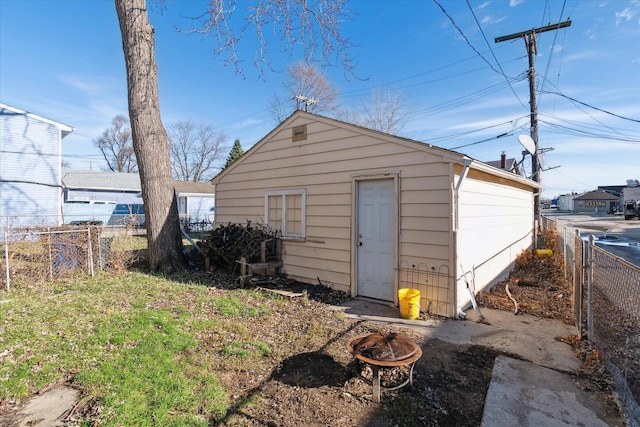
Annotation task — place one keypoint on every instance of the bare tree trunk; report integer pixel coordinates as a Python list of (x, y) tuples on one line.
[(150, 140)]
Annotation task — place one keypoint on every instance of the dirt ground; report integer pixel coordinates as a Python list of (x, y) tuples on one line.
[(311, 379), (326, 387)]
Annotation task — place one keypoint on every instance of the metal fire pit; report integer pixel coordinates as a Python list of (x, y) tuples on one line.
[(381, 351)]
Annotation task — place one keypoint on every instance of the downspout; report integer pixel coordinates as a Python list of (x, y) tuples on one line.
[(466, 162), (63, 190)]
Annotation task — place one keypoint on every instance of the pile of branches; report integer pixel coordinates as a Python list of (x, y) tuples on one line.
[(229, 243)]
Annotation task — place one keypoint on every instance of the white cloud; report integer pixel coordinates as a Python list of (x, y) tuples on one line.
[(103, 95), (489, 20), (248, 123), (514, 3), (625, 16)]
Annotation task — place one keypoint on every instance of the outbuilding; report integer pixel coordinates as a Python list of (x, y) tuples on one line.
[(597, 201), (370, 213)]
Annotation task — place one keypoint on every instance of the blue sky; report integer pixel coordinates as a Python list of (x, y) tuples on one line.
[(63, 60)]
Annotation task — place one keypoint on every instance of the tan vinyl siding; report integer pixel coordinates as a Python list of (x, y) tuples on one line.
[(425, 235), (327, 166)]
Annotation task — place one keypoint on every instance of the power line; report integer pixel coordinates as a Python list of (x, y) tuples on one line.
[(592, 117), (502, 135), (457, 135), (464, 36), (578, 132), (593, 107), (494, 56), (552, 50), (358, 92), (628, 135), (464, 99)]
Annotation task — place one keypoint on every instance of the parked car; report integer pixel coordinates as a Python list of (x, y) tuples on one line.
[(86, 222), (129, 215), (92, 202)]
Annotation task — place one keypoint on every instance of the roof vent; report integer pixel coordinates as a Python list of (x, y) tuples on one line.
[(299, 133)]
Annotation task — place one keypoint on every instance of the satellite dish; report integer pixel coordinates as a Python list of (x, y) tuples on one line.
[(527, 143), (541, 161)]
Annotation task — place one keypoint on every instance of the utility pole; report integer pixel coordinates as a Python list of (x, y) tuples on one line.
[(530, 43)]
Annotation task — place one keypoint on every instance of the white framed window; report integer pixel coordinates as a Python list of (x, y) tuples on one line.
[(285, 212)]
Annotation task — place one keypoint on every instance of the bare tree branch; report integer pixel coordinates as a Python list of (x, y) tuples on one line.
[(308, 81), (312, 25), (387, 112), (196, 151), (116, 146)]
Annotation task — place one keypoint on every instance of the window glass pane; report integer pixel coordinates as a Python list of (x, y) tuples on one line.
[(275, 213), (294, 214)]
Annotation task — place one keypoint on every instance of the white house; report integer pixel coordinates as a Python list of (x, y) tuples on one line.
[(30, 168), (370, 213), (195, 199)]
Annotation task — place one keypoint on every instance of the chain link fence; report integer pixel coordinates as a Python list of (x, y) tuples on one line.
[(36, 255), (613, 322), (607, 308)]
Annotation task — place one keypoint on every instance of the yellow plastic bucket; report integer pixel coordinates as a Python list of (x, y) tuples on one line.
[(409, 303), (544, 253)]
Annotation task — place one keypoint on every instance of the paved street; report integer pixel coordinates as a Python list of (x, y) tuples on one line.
[(615, 234)]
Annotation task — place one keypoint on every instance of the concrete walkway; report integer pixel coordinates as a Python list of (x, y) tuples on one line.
[(49, 408), (538, 390)]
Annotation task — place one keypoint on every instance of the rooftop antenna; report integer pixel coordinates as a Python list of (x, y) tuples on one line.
[(306, 101)]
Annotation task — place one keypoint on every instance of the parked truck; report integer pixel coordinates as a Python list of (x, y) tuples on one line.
[(631, 199)]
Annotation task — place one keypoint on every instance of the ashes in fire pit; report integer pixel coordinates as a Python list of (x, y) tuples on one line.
[(380, 350), (384, 347)]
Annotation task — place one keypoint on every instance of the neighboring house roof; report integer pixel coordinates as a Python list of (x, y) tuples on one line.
[(596, 195), (100, 180), (122, 181), (64, 129), (504, 163), (185, 187)]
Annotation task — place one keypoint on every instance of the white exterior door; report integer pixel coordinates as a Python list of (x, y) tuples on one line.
[(375, 239)]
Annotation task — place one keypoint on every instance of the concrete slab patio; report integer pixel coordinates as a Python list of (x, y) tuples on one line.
[(537, 390)]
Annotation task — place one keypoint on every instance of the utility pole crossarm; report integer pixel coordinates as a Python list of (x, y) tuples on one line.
[(539, 30)]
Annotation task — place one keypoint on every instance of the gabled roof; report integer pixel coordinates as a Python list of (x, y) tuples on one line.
[(452, 156), (100, 180), (596, 195), (186, 187), (64, 129), (122, 181), (511, 165)]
